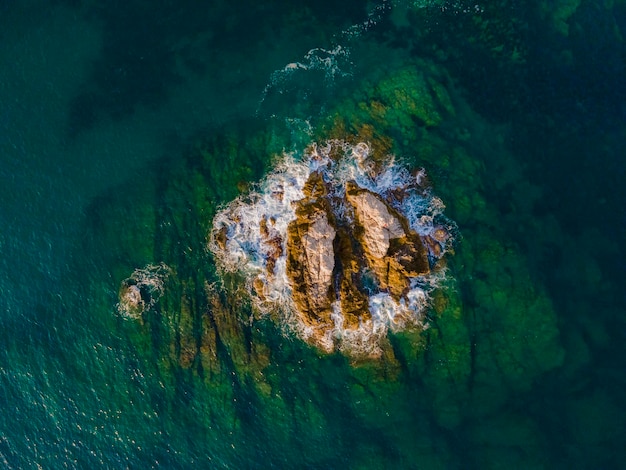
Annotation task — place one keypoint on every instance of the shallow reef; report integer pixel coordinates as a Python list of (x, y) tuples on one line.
[(215, 333)]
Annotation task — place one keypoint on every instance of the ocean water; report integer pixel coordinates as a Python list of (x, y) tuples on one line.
[(125, 126)]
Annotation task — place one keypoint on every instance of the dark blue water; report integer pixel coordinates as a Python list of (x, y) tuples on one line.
[(103, 108)]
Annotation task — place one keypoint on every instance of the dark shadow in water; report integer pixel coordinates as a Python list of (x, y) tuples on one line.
[(150, 47)]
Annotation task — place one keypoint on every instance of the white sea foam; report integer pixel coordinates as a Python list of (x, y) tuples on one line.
[(373, 18), (253, 229), (334, 63)]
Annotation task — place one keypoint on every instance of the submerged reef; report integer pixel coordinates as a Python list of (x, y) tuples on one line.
[(346, 245), (475, 337)]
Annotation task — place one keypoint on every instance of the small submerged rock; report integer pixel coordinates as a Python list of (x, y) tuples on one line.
[(142, 290), (344, 246)]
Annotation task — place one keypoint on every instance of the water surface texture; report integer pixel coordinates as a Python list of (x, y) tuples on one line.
[(126, 127)]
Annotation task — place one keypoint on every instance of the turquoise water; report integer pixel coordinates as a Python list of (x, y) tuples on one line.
[(117, 124)]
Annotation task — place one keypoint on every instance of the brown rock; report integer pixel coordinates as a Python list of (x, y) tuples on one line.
[(310, 255), (434, 248), (373, 215), (354, 303), (393, 251), (221, 236), (259, 287), (273, 244)]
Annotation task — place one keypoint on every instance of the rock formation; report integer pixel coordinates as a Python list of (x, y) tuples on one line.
[(345, 254), (394, 252)]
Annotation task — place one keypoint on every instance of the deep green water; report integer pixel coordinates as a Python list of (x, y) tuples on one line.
[(124, 124)]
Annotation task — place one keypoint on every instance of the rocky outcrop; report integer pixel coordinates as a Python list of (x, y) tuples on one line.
[(332, 255), (338, 258), (310, 263), (393, 251)]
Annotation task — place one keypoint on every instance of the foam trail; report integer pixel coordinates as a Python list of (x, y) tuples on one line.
[(332, 62)]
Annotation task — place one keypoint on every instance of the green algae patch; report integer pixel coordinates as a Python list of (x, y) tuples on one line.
[(391, 109), (560, 13)]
